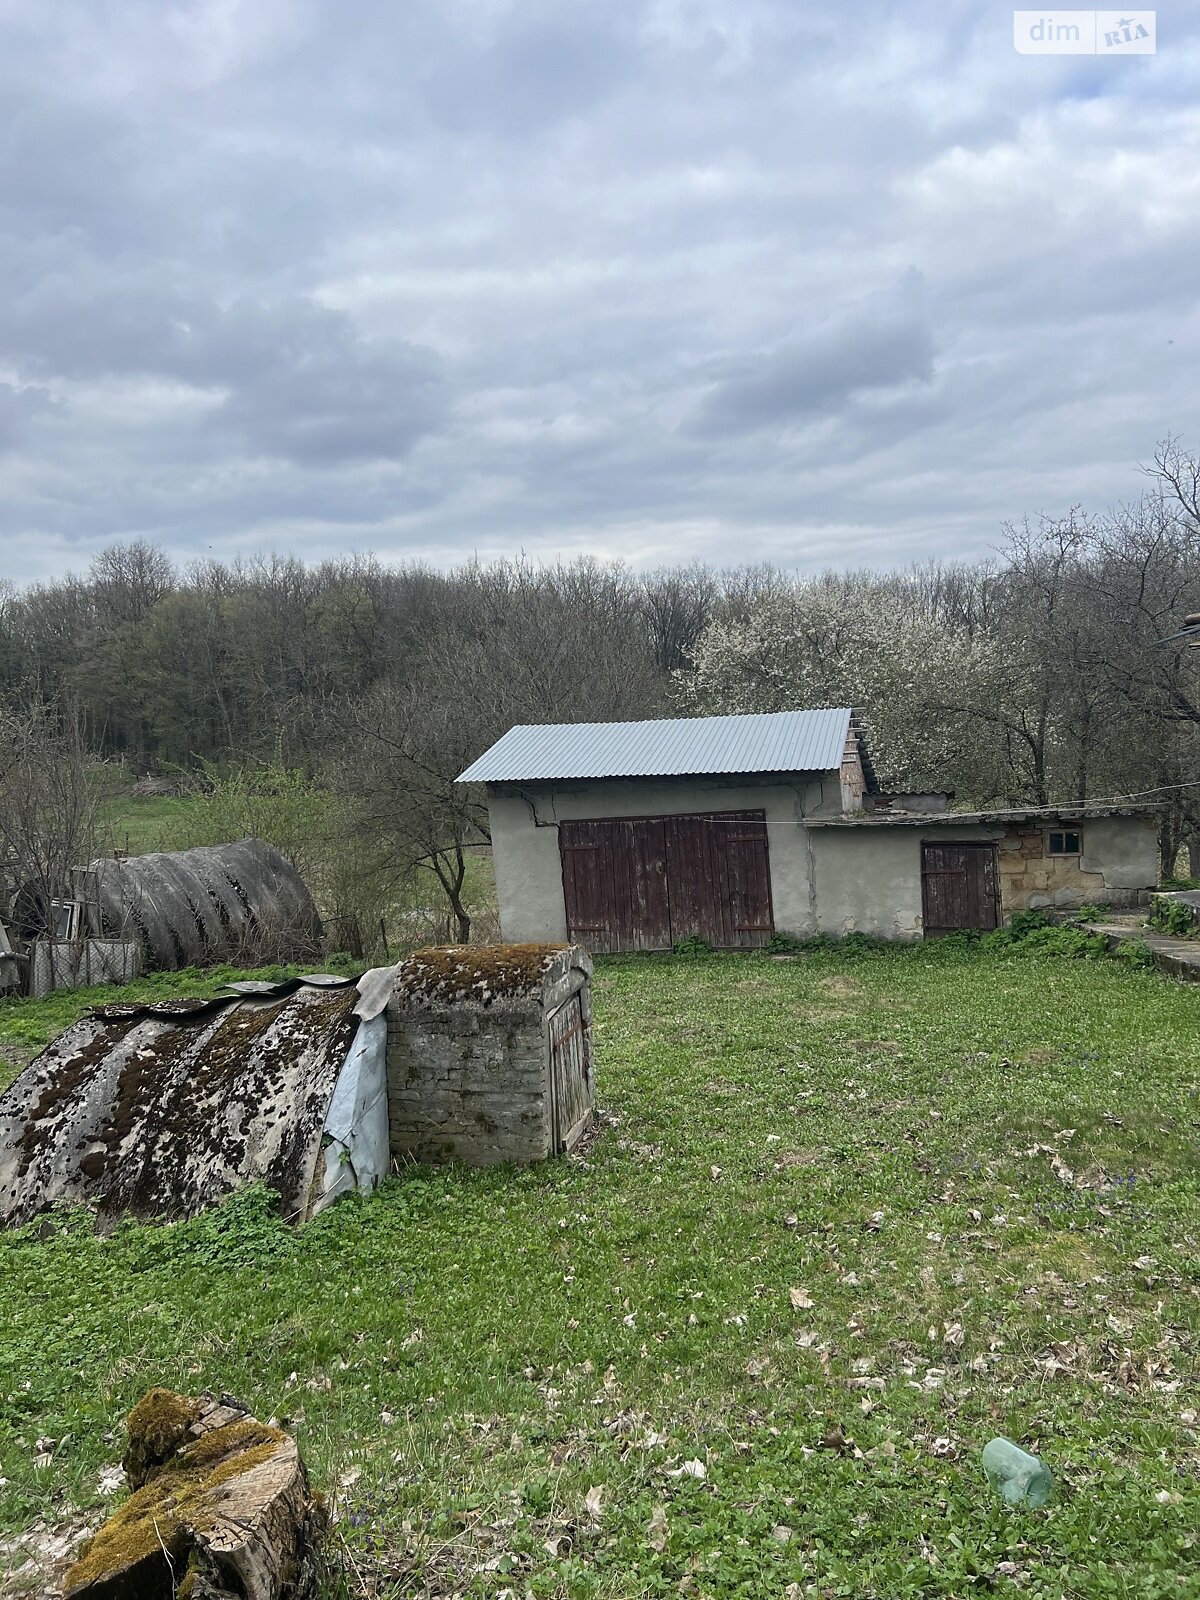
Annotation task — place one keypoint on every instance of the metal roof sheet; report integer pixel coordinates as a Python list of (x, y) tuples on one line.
[(777, 741)]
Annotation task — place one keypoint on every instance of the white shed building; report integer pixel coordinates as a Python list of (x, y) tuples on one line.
[(635, 835)]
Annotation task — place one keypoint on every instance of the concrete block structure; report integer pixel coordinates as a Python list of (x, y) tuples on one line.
[(314, 1086), (489, 1053)]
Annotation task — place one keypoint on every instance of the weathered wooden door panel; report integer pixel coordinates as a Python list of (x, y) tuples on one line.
[(570, 1070), (748, 882), (693, 880), (614, 884), (644, 883), (587, 873), (959, 887), (642, 867)]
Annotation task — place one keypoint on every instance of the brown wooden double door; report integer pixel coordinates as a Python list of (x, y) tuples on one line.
[(645, 883), (959, 887)]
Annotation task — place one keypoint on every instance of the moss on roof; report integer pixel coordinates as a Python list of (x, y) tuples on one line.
[(481, 973)]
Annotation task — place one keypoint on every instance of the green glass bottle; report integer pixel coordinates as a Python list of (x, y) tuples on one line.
[(1022, 1479)]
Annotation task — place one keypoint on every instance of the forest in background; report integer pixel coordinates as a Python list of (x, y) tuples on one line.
[(331, 706)]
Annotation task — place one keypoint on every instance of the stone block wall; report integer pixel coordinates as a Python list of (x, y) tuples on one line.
[(1032, 880), (468, 1084), (470, 1066)]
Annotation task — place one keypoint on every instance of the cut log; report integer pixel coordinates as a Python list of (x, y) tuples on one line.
[(221, 1508)]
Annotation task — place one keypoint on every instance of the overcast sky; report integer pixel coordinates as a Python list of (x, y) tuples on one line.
[(654, 279)]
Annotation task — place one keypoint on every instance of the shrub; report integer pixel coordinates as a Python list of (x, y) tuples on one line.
[(1031, 933), (693, 945), (1088, 914), (1174, 917), (1135, 953)]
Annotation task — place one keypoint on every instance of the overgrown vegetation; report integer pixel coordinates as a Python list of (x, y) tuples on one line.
[(1175, 918), (368, 904), (1032, 933), (847, 1219)]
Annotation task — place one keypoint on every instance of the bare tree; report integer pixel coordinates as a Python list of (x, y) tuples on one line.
[(396, 773), (48, 800)]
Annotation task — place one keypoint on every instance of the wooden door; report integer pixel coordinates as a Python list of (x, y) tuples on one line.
[(615, 884), (693, 880), (746, 891), (570, 1075), (645, 883), (959, 887)]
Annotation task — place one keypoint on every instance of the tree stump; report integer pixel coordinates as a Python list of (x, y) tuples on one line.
[(221, 1508)]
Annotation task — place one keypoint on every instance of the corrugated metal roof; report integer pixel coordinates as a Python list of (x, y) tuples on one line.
[(778, 741)]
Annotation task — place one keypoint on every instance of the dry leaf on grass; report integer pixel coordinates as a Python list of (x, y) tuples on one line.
[(801, 1299)]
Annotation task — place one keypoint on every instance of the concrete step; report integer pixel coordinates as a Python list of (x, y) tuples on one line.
[(1179, 957)]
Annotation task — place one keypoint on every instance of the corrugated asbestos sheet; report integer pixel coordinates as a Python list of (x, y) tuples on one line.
[(224, 902), (779, 741), (161, 1110)]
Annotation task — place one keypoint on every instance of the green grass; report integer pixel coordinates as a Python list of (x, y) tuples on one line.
[(978, 1167), (158, 822)]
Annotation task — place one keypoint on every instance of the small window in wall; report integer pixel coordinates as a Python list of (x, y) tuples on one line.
[(1062, 842)]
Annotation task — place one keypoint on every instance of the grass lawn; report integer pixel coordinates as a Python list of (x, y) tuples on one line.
[(142, 824), (848, 1218)]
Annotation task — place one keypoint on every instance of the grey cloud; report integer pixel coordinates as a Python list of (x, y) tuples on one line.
[(502, 274), (17, 407), (865, 348), (335, 399), (297, 380)]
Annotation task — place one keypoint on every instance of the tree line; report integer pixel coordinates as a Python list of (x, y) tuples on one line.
[(1033, 677)]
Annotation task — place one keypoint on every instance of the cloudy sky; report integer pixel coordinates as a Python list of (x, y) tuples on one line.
[(656, 279)]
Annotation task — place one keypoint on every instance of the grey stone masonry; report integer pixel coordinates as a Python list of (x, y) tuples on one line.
[(470, 1063)]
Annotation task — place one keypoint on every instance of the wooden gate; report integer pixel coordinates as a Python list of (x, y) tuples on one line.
[(570, 1069), (615, 884), (644, 883), (959, 887)]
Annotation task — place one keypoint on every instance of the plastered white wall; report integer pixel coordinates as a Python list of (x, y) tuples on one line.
[(1124, 850), (529, 868), (868, 880), (823, 880)]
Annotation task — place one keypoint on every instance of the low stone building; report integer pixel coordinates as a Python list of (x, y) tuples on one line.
[(314, 1086), (903, 874), (635, 836), (489, 1053)]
